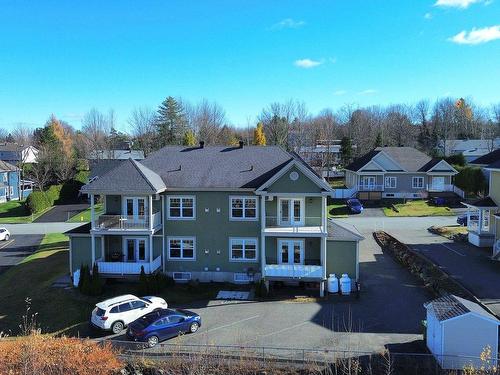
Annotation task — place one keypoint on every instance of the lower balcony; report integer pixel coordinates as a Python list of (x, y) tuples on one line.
[(128, 268), (293, 271)]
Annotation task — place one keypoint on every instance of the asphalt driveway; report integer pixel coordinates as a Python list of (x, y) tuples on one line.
[(61, 213), (16, 249)]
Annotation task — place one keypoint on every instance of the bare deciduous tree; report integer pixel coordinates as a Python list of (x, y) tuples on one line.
[(207, 119), (142, 123), (96, 127)]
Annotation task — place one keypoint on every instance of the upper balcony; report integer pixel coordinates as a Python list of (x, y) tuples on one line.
[(127, 222), (140, 213), (305, 225)]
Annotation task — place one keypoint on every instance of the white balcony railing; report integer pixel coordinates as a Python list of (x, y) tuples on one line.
[(124, 222), (128, 268), (308, 221), (439, 188), (294, 271), (370, 187)]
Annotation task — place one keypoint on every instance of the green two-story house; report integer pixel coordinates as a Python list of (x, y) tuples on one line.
[(233, 214)]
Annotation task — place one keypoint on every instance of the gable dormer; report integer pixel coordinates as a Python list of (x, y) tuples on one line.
[(387, 163)]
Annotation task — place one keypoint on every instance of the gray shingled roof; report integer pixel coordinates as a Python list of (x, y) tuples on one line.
[(217, 166), (360, 162), (340, 231), (99, 167), (451, 306), (4, 166), (129, 177), (407, 157)]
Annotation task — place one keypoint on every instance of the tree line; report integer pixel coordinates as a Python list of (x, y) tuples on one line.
[(424, 125)]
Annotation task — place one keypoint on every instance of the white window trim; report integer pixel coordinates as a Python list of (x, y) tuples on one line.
[(181, 258), (391, 178), (244, 198), (181, 217), (414, 178), (244, 239)]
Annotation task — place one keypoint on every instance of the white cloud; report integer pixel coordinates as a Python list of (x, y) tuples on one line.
[(287, 23), (455, 3), (428, 16), (477, 36), (340, 92), (307, 63), (368, 92)]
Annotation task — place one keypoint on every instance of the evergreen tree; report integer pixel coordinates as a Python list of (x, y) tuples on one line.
[(259, 137), (189, 138), (171, 122), (378, 140), (346, 150), (95, 285), (143, 282)]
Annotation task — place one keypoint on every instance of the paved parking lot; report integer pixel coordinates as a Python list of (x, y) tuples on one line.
[(17, 248), (388, 312)]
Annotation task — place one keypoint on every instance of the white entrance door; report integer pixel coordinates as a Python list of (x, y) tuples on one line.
[(134, 209), (291, 251), (135, 249), (291, 212), (438, 183)]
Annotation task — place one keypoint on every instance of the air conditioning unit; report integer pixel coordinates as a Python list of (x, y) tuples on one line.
[(269, 198), (181, 276), (240, 277)]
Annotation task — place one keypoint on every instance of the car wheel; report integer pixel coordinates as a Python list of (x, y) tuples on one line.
[(194, 327), (6, 238), (117, 327), (153, 341)]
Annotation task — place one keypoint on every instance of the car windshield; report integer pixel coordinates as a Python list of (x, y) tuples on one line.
[(355, 203), (100, 312), (145, 299)]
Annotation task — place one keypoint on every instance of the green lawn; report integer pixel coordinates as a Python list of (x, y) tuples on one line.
[(417, 208), (16, 212), (66, 310), (338, 183), (84, 216)]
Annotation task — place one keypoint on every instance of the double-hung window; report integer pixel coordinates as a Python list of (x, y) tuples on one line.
[(181, 208), (243, 249), (243, 208), (390, 182), (181, 248), (418, 182)]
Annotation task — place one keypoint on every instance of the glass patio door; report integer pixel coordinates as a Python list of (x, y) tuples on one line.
[(135, 209), (290, 251), (291, 212), (368, 182), (135, 250)]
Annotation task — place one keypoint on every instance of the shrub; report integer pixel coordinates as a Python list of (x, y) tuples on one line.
[(40, 354), (84, 284), (95, 284), (456, 159), (154, 283), (261, 289), (471, 180)]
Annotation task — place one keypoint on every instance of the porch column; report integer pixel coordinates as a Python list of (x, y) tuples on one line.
[(163, 225), (92, 212), (150, 253), (262, 236), (150, 209), (480, 222), (92, 240), (324, 214), (323, 256), (468, 218)]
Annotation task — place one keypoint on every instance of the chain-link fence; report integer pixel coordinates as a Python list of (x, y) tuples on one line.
[(346, 361)]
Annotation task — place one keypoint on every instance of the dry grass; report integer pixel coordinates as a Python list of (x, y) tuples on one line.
[(40, 354), (449, 231)]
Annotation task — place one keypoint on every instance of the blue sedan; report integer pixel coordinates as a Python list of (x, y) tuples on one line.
[(354, 205), (163, 324)]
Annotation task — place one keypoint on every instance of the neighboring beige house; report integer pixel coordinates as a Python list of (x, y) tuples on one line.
[(483, 215), (399, 172)]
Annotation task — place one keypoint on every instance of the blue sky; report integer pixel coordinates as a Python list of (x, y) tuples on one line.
[(65, 57)]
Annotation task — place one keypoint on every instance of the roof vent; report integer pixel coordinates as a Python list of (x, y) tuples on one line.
[(241, 143), (202, 144)]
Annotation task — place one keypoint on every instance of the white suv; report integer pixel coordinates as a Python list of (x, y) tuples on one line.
[(116, 313), (4, 234)]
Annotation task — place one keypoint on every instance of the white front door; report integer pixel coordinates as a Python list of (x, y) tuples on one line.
[(291, 212), (134, 209), (135, 249), (438, 183), (291, 251)]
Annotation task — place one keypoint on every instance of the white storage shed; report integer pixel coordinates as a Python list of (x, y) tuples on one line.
[(459, 330)]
